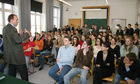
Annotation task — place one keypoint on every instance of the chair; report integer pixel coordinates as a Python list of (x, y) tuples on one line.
[(111, 78), (50, 56)]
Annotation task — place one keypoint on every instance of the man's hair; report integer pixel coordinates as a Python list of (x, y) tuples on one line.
[(11, 16), (131, 56), (69, 38), (137, 24)]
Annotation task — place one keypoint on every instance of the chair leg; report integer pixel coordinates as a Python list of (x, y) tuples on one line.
[(33, 71), (76, 79)]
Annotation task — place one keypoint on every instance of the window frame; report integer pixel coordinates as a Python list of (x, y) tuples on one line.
[(4, 18), (35, 21)]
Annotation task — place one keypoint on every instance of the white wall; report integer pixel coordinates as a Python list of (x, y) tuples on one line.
[(138, 12), (119, 9)]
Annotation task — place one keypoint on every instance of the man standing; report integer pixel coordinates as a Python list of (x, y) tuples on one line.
[(64, 61), (137, 30), (86, 30), (13, 49)]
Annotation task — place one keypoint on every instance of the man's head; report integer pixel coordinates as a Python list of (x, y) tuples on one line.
[(136, 25), (130, 58), (129, 25), (13, 19), (67, 40)]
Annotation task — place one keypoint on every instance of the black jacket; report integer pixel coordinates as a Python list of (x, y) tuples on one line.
[(133, 73), (103, 64)]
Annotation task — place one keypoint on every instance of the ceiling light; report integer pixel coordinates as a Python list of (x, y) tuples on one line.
[(65, 2), (90, 9), (106, 2)]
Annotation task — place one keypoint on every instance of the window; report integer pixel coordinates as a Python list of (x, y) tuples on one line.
[(8, 6), (0, 5), (5, 11), (56, 17), (35, 22)]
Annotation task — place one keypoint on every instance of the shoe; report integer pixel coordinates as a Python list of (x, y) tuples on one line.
[(40, 68)]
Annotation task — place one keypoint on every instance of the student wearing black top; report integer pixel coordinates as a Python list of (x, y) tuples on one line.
[(137, 30), (128, 69), (104, 66), (48, 45), (119, 31), (129, 30), (115, 49)]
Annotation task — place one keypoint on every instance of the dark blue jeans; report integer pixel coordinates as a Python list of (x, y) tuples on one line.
[(42, 55), (59, 78)]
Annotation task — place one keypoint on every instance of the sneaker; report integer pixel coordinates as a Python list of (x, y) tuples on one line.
[(40, 68)]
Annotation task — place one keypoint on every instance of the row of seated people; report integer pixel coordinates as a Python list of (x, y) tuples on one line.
[(126, 45)]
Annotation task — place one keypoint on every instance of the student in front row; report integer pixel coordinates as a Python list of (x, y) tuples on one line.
[(64, 61), (128, 69), (104, 66), (82, 63)]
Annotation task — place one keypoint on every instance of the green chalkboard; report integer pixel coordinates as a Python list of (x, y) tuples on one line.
[(98, 22)]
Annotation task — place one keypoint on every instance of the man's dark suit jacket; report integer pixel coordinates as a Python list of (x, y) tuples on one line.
[(12, 43)]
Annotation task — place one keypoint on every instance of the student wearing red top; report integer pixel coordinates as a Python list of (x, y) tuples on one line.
[(83, 38), (28, 49)]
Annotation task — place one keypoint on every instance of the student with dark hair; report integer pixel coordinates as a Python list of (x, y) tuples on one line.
[(119, 31), (115, 49), (13, 50), (82, 63), (128, 69), (75, 43), (129, 30), (64, 61), (104, 66), (97, 48), (137, 30)]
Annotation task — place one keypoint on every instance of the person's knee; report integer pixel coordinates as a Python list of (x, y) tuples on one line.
[(83, 77), (66, 77), (50, 73)]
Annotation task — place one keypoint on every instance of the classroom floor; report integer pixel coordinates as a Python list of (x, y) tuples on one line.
[(42, 77)]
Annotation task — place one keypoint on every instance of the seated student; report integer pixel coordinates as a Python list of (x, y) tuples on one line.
[(48, 44), (83, 38), (75, 43), (28, 49), (128, 47), (82, 63), (104, 66), (128, 68), (64, 61), (39, 43)]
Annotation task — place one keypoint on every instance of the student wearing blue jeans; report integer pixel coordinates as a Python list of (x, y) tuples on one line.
[(64, 61), (82, 63), (41, 58)]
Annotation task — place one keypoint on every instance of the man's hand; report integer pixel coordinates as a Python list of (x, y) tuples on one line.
[(20, 32), (85, 67), (127, 65), (26, 31), (97, 65), (61, 68), (130, 81), (108, 64)]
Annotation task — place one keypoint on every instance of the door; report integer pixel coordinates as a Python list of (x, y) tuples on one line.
[(75, 23)]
